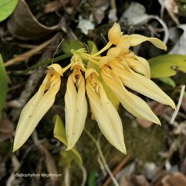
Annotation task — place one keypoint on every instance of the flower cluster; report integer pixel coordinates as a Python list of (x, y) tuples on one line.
[(103, 81)]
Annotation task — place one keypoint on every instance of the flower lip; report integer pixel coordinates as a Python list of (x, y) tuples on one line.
[(90, 71), (57, 68), (79, 65)]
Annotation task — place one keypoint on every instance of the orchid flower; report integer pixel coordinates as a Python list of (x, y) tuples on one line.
[(75, 106), (118, 72), (104, 112), (38, 105)]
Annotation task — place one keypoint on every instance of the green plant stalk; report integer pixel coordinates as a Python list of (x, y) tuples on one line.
[(61, 57)]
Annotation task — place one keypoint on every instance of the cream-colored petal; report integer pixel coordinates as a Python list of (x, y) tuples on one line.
[(75, 111), (81, 110), (70, 106), (144, 86), (136, 39), (103, 120), (130, 102), (31, 105), (33, 111)]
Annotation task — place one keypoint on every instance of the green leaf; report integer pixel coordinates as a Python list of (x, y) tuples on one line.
[(67, 46), (3, 85), (92, 50), (47, 62), (167, 65), (168, 81), (6, 8), (92, 47), (59, 133)]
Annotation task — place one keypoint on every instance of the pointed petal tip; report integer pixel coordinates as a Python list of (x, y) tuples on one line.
[(157, 121), (165, 48), (122, 148), (154, 119), (18, 143), (170, 102), (14, 150), (69, 148), (173, 105), (124, 151), (15, 147)]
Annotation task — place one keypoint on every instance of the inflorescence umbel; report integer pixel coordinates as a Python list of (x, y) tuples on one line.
[(101, 80)]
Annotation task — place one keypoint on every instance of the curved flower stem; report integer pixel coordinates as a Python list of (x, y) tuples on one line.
[(67, 67), (90, 55), (42, 63), (102, 157), (90, 58), (106, 47)]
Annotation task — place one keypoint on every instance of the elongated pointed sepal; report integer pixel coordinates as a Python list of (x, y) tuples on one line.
[(106, 115), (144, 86), (37, 107), (75, 108), (130, 102)]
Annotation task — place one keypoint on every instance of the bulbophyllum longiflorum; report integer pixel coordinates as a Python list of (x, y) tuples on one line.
[(92, 75)]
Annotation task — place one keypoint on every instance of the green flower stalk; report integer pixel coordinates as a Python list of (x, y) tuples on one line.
[(118, 70)]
